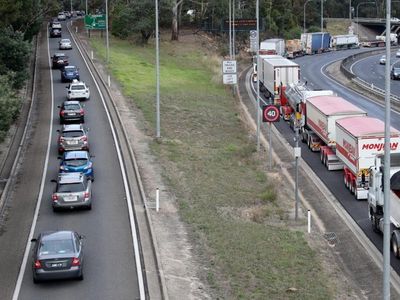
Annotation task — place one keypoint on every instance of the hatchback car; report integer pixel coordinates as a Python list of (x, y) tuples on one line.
[(382, 60), (65, 44), (69, 73), (61, 16), (57, 255), (78, 90), (73, 137), (55, 32), (395, 73), (59, 60), (73, 190), (71, 112), (55, 24), (77, 161)]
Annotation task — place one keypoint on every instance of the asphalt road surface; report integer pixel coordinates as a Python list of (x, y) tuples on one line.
[(109, 268), (312, 70)]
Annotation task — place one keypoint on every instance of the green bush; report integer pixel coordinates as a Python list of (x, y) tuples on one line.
[(9, 105)]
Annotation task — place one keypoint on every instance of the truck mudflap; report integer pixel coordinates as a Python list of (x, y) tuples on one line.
[(360, 193), (330, 160)]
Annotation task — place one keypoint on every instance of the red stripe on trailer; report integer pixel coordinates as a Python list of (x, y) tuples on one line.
[(346, 154)]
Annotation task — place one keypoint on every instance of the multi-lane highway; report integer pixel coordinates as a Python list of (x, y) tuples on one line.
[(313, 71), (110, 267)]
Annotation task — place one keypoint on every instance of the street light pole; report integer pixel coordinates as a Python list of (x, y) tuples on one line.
[(304, 16), (258, 76), (350, 12), (322, 15), (158, 134), (107, 42)]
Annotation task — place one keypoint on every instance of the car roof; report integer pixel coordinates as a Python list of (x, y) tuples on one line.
[(59, 54), (57, 235), (71, 102), (76, 154), (72, 127), (69, 67), (73, 177), (66, 40)]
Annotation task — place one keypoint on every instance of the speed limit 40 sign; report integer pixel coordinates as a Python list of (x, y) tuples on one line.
[(270, 113)]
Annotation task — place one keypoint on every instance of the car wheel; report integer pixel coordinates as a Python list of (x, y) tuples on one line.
[(89, 207), (61, 121), (35, 281), (83, 120), (80, 277)]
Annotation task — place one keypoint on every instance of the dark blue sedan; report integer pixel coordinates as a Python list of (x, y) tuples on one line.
[(69, 73), (77, 161)]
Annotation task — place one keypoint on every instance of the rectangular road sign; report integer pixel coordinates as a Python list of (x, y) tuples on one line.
[(95, 21), (229, 66), (253, 41), (240, 24), (230, 78)]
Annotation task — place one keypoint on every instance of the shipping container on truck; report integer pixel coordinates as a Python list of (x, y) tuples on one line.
[(316, 42), (321, 115), (261, 57), (275, 74), (376, 198), (272, 46), (358, 141), (346, 41)]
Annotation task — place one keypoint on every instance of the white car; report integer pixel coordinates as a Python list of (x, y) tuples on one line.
[(394, 20), (61, 16), (382, 60), (398, 53), (65, 44), (56, 25), (78, 90)]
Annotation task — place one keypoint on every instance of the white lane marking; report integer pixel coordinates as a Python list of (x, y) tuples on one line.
[(345, 87), (123, 172), (22, 269)]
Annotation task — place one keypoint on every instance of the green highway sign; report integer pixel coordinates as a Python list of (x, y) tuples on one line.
[(95, 21)]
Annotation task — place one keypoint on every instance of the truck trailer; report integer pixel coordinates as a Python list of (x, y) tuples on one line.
[(346, 41), (272, 46), (321, 115), (275, 74), (376, 198), (316, 42), (294, 48), (358, 141)]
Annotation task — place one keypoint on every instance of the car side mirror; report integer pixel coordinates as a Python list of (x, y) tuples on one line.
[(58, 106), (53, 180), (34, 240), (92, 156), (59, 157), (81, 237)]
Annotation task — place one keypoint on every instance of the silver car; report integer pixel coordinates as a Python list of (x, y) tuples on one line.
[(65, 44), (73, 137), (78, 90), (57, 255), (73, 190)]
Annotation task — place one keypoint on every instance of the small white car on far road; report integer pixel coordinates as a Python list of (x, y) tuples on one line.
[(78, 90), (65, 44)]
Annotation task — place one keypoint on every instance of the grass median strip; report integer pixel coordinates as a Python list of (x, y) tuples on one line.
[(237, 212)]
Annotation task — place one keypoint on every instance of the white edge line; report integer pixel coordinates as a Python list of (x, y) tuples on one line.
[(22, 269), (123, 172)]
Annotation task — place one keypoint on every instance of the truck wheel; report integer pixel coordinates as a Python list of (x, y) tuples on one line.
[(374, 223), (395, 245), (345, 181)]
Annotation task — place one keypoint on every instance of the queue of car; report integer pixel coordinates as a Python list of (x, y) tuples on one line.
[(59, 254)]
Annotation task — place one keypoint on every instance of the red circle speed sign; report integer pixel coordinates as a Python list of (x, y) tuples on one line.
[(270, 113)]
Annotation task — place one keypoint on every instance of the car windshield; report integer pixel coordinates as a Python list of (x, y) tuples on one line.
[(77, 87), (71, 187), (51, 247), (72, 134), (65, 41), (397, 69), (71, 107), (76, 162), (69, 69)]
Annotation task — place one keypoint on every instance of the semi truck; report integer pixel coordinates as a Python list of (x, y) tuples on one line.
[(376, 198), (393, 38), (316, 42), (359, 140), (272, 46), (296, 95), (275, 74), (321, 114), (346, 41), (294, 48)]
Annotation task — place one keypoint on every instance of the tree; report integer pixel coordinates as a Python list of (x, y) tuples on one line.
[(174, 27)]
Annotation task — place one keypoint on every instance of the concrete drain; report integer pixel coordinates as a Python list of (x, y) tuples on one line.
[(331, 238)]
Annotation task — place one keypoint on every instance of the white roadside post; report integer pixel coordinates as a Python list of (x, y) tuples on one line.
[(309, 221), (157, 199)]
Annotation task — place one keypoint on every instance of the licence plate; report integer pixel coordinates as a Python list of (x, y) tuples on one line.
[(57, 265), (71, 114), (73, 142), (70, 198)]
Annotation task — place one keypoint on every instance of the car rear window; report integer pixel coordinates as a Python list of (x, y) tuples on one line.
[(77, 87), (71, 187), (76, 162), (51, 247), (72, 107), (76, 133)]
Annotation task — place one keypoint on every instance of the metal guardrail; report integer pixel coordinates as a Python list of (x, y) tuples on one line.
[(344, 68)]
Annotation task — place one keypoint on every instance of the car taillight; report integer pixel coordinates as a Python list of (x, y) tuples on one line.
[(76, 261), (81, 112), (84, 138), (37, 264), (54, 197), (62, 113), (86, 195)]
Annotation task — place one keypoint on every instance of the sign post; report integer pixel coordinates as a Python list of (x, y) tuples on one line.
[(229, 72), (270, 115)]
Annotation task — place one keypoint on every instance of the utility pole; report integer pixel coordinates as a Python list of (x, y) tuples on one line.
[(230, 29), (386, 172), (322, 15), (258, 76), (158, 134), (107, 41)]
